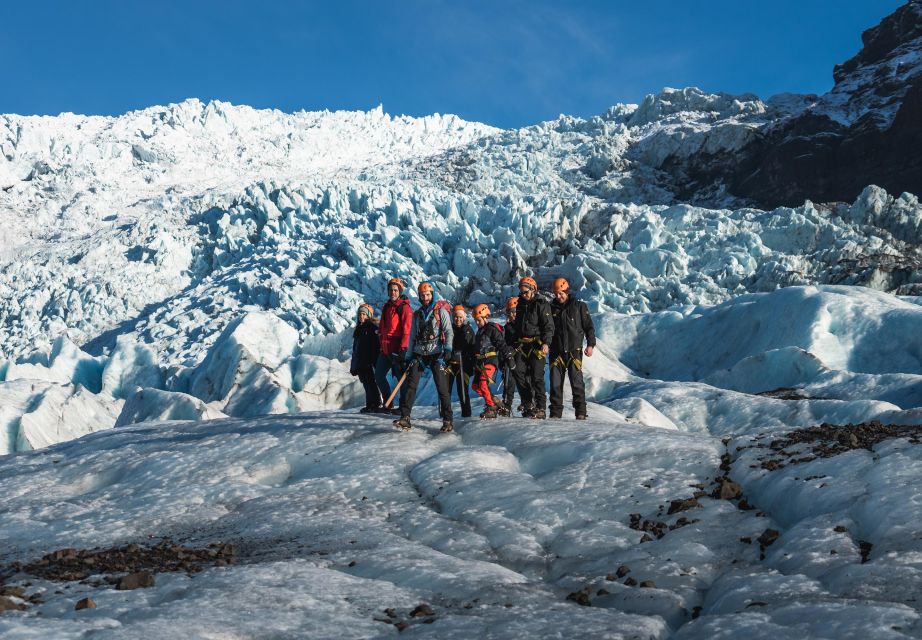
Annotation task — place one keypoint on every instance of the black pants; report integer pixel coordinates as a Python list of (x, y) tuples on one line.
[(509, 383), (530, 379), (567, 368), (408, 391), (461, 384), (372, 393)]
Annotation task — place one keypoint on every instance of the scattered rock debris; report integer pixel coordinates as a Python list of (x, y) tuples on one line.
[(86, 603), (675, 506), (73, 565), (787, 393), (421, 611), (827, 440), (580, 597), (8, 604), (138, 580)]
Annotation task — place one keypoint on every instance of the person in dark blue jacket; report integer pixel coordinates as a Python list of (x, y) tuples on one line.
[(365, 349)]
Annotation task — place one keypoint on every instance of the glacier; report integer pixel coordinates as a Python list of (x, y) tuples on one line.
[(177, 291)]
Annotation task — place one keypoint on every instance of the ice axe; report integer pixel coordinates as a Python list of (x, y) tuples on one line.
[(390, 398)]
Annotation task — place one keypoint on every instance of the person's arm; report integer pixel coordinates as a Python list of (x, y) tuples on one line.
[(445, 319), (407, 323), (499, 342), (546, 326), (410, 338), (588, 328)]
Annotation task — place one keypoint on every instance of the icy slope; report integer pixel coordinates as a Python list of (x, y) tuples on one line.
[(336, 519)]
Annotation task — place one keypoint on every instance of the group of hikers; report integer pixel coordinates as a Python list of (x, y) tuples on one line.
[(438, 337)]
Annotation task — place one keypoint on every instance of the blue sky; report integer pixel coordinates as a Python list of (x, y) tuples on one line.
[(504, 62)]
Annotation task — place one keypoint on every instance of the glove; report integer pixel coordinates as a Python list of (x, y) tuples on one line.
[(510, 362)]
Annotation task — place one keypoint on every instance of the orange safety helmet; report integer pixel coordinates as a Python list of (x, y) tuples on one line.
[(400, 283), (561, 284), (528, 282), (512, 303), (481, 311), (423, 286), (459, 307)]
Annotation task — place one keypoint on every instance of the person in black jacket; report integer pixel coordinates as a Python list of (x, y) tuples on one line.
[(365, 348), (461, 366), (572, 325), (509, 385), (534, 328), (491, 347)]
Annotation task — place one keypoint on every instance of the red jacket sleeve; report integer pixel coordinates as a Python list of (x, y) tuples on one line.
[(406, 319)]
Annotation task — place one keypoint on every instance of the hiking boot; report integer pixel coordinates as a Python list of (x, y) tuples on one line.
[(489, 413), (580, 416), (520, 408), (447, 426), (556, 416), (394, 411), (525, 411), (403, 424), (537, 414), (503, 412), (369, 409)]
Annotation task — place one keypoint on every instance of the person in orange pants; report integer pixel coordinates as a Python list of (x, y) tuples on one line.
[(489, 345)]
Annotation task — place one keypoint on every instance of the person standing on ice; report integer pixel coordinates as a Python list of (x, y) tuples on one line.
[(431, 339), (510, 336), (394, 333), (365, 350), (491, 347), (534, 328), (572, 325), (461, 367)]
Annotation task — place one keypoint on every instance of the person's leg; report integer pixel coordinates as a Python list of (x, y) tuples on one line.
[(372, 395), (464, 395), (578, 387), (482, 387), (408, 390), (536, 378), (442, 388), (382, 366), (557, 376), (523, 381)]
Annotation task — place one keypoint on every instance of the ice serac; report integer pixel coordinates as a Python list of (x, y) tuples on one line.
[(239, 370), (61, 413), (156, 405), (256, 368)]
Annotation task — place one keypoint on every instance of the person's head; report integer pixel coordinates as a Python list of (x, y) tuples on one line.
[(481, 313), (511, 305), (425, 292), (459, 315), (365, 313), (561, 290), (394, 288), (528, 288)]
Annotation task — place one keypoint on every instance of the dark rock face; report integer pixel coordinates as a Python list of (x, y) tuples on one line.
[(866, 130)]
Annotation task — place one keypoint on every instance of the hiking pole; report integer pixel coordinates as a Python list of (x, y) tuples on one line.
[(464, 396), (390, 398)]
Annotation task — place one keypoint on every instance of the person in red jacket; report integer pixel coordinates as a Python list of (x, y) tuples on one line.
[(394, 334)]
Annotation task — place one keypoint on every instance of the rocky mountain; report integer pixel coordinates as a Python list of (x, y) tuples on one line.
[(866, 130)]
